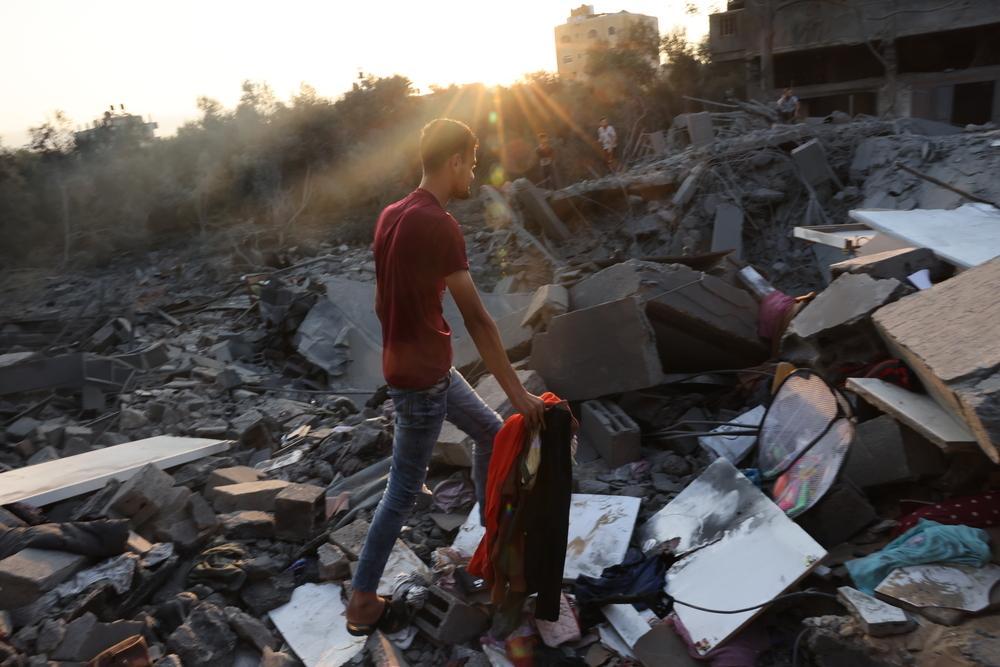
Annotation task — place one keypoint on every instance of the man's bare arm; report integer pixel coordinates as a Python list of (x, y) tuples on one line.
[(485, 335)]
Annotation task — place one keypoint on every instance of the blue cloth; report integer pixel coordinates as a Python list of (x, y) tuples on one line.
[(927, 542), (420, 414)]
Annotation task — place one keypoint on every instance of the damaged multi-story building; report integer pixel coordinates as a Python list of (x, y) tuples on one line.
[(934, 59)]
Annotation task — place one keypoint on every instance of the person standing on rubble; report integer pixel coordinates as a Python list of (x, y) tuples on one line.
[(608, 138), (419, 251), (788, 107), (546, 162)]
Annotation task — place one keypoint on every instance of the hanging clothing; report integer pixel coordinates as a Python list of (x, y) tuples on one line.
[(527, 510)]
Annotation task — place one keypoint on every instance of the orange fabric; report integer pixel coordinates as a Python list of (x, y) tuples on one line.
[(507, 448)]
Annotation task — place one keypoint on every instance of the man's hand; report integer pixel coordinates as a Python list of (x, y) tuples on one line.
[(531, 407)]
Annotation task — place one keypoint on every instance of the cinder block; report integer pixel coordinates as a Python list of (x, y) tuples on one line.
[(351, 538), (700, 128), (298, 510), (610, 431), (334, 565), (30, 572), (447, 620), (258, 496), (227, 476), (884, 452), (841, 513), (811, 160)]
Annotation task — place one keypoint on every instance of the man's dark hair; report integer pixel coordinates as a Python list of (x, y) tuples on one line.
[(443, 137)]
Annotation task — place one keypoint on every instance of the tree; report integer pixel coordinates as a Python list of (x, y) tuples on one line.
[(54, 137)]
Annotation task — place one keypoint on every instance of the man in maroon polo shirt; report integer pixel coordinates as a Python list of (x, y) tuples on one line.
[(420, 251)]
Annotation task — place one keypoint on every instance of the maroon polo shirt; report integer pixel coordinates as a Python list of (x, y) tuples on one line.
[(417, 244)]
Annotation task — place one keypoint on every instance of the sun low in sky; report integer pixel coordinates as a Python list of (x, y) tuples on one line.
[(158, 58)]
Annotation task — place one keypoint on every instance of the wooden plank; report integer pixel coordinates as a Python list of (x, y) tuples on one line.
[(918, 411), (966, 236), (72, 476)]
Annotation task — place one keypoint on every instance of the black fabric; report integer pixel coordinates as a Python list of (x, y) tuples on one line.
[(546, 513), (637, 577), (100, 539)]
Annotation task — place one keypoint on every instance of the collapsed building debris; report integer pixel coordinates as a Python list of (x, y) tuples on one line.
[(237, 438)]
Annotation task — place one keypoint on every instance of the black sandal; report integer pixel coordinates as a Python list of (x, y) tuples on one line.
[(393, 619)]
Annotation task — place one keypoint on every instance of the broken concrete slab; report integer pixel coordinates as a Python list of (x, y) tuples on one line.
[(31, 572), (72, 476), (205, 638), (334, 565), (351, 538), (727, 232), (898, 264), (144, 495), (548, 301), (700, 322), (947, 335), (877, 618), (885, 452), (965, 236), (247, 525), (597, 351), (313, 623), (935, 586), (248, 496), (699, 126), (538, 210), (842, 513), (836, 327), (606, 427), (86, 637), (689, 187), (810, 158), (402, 560), (514, 335)]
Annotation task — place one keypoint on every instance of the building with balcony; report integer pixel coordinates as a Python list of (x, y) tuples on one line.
[(585, 30), (935, 59)]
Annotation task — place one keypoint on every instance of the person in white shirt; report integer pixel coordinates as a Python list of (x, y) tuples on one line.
[(608, 138), (788, 106)]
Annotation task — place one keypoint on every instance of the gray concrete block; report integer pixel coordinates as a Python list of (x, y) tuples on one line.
[(841, 513), (25, 427), (727, 233), (334, 565), (549, 301), (258, 496), (447, 620), (351, 538), (299, 509), (606, 427), (689, 187), (247, 525), (700, 128), (86, 637), (877, 618), (535, 206), (227, 476), (810, 158), (30, 572), (144, 494), (597, 351), (885, 452)]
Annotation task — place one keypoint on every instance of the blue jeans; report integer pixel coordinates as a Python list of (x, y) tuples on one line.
[(420, 414)]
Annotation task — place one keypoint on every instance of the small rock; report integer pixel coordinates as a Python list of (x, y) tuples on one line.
[(334, 565), (635, 491), (675, 465), (205, 639), (664, 483), (250, 629), (595, 487), (131, 419)]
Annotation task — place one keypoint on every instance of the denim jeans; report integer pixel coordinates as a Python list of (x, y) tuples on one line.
[(420, 414)]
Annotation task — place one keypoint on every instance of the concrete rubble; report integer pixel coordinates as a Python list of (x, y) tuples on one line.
[(624, 294)]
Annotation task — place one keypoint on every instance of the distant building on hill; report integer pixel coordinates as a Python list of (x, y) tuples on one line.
[(116, 127), (585, 30)]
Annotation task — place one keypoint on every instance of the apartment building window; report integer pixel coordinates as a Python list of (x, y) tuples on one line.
[(592, 34), (611, 30), (567, 58), (727, 25)]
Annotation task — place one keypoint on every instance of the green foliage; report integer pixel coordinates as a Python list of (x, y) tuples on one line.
[(318, 164)]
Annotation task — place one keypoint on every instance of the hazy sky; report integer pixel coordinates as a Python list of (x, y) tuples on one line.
[(158, 58)]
